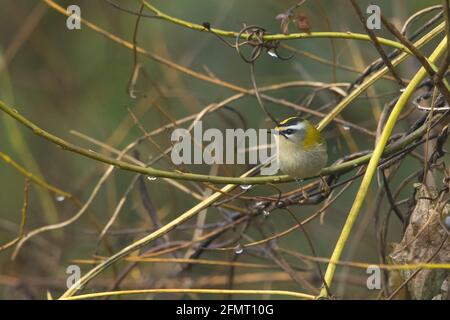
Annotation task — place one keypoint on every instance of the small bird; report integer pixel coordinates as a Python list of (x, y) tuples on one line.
[(301, 150)]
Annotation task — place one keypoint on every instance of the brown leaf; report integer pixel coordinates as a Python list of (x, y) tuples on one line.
[(302, 23)]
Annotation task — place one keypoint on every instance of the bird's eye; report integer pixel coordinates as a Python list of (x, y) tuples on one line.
[(288, 131)]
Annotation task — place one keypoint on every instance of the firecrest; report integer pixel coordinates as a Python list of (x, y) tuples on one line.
[(301, 150)]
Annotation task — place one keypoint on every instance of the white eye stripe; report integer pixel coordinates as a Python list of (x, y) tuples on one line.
[(296, 127)]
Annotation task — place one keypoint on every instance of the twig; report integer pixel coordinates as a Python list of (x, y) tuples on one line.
[(325, 121), (272, 37), (23, 218), (375, 76), (373, 164), (313, 251), (149, 171), (258, 97), (441, 84), (443, 69), (136, 66), (204, 291), (377, 45)]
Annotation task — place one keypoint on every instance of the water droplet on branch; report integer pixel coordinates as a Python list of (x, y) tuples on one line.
[(238, 250), (272, 54)]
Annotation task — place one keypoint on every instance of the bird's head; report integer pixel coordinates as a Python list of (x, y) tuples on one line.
[(299, 131)]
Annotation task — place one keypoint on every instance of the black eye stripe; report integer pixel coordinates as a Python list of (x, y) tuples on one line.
[(288, 131)]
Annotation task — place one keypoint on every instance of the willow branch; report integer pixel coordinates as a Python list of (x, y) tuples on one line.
[(149, 171), (271, 37), (373, 164), (204, 291), (377, 45), (432, 71)]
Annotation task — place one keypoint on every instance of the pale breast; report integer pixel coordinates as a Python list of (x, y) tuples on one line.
[(300, 163)]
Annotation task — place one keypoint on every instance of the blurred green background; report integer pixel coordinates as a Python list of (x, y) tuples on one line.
[(67, 80)]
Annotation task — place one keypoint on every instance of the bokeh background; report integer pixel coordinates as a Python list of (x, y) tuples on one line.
[(67, 81)]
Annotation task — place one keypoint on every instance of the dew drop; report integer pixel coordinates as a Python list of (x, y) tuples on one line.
[(60, 198), (272, 54), (447, 222), (349, 32), (347, 128), (402, 89), (238, 250), (151, 178), (246, 186)]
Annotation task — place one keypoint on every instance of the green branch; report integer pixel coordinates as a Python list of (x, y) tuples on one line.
[(374, 77), (373, 165), (200, 291), (7, 159), (273, 37), (149, 171)]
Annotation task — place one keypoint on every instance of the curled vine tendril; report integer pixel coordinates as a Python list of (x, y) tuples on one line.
[(255, 39)]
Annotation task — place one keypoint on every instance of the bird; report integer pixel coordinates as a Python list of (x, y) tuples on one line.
[(301, 149)]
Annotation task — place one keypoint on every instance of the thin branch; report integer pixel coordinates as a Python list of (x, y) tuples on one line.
[(443, 69), (23, 218), (272, 37), (442, 84), (258, 97), (373, 164), (313, 251), (377, 45), (204, 291), (149, 171), (331, 116)]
